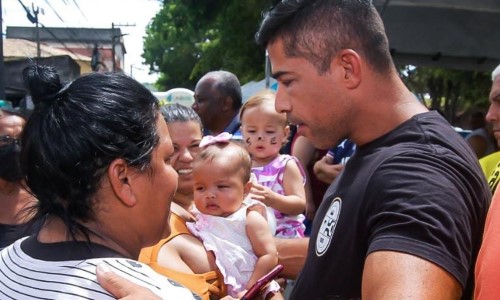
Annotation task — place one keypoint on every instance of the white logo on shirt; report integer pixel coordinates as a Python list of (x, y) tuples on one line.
[(327, 228)]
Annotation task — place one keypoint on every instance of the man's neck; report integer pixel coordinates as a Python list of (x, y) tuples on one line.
[(223, 122)]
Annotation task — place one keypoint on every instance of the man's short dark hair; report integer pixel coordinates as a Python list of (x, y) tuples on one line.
[(317, 29)]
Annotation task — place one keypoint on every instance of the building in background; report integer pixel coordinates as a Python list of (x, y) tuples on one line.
[(100, 44)]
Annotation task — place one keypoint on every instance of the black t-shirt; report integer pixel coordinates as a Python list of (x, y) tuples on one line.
[(418, 190)]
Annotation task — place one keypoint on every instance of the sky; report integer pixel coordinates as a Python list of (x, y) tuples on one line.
[(93, 14)]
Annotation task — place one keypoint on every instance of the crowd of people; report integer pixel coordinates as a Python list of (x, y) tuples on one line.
[(109, 195)]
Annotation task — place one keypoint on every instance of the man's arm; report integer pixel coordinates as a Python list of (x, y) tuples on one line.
[(292, 255), (397, 275)]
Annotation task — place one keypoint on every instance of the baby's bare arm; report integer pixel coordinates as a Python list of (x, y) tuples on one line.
[(263, 245)]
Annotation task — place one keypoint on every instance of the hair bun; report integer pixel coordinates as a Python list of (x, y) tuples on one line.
[(42, 82)]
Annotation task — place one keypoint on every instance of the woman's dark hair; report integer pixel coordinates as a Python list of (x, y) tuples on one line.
[(179, 113), (76, 131)]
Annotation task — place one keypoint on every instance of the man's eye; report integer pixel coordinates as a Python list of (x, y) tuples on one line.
[(286, 82)]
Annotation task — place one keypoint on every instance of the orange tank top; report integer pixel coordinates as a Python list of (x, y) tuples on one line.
[(206, 284)]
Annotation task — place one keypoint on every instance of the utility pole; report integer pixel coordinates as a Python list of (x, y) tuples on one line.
[(34, 20), (113, 37), (2, 67), (113, 46), (38, 52)]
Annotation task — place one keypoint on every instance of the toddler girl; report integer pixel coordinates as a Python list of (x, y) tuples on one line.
[(280, 177), (239, 237)]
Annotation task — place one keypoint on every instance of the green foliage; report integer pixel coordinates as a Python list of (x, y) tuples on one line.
[(188, 38), (450, 91)]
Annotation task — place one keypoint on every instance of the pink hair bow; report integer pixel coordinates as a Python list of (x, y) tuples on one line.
[(207, 140)]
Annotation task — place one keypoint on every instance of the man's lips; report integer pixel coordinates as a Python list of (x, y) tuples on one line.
[(293, 121)]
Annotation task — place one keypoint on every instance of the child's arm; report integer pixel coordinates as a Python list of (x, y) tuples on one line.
[(263, 246), (294, 200)]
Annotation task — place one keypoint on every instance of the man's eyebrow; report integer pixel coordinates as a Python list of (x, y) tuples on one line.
[(278, 74)]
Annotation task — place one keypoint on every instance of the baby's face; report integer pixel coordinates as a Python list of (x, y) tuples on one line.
[(218, 187), (264, 131)]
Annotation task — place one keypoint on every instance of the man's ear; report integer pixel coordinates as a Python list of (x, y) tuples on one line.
[(119, 174), (350, 62)]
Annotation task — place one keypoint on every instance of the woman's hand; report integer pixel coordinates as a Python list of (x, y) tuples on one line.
[(122, 288)]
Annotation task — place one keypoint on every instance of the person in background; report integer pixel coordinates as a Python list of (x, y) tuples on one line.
[(279, 177), (481, 139), (488, 261), (329, 166), (217, 100), (14, 198), (238, 237), (491, 163), (96, 154), (405, 217)]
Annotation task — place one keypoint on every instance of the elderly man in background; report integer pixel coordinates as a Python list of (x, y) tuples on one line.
[(491, 163), (217, 100)]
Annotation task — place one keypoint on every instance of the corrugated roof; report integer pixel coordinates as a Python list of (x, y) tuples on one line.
[(60, 34), (19, 48)]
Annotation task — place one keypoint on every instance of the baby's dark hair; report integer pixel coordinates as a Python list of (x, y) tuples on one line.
[(238, 154)]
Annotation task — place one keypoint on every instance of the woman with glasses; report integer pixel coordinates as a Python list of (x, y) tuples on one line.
[(14, 199)]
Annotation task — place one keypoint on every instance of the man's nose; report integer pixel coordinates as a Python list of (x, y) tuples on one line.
[(492, 115), (282, 105)]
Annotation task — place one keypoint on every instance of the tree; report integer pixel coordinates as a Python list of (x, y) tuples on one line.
[(188, 38), (450, 91)]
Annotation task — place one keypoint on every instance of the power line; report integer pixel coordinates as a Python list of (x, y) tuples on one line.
[(59, 41), (51, 7), (78, 6)]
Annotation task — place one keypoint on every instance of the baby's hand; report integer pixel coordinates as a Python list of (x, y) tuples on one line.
[(261, 193)]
